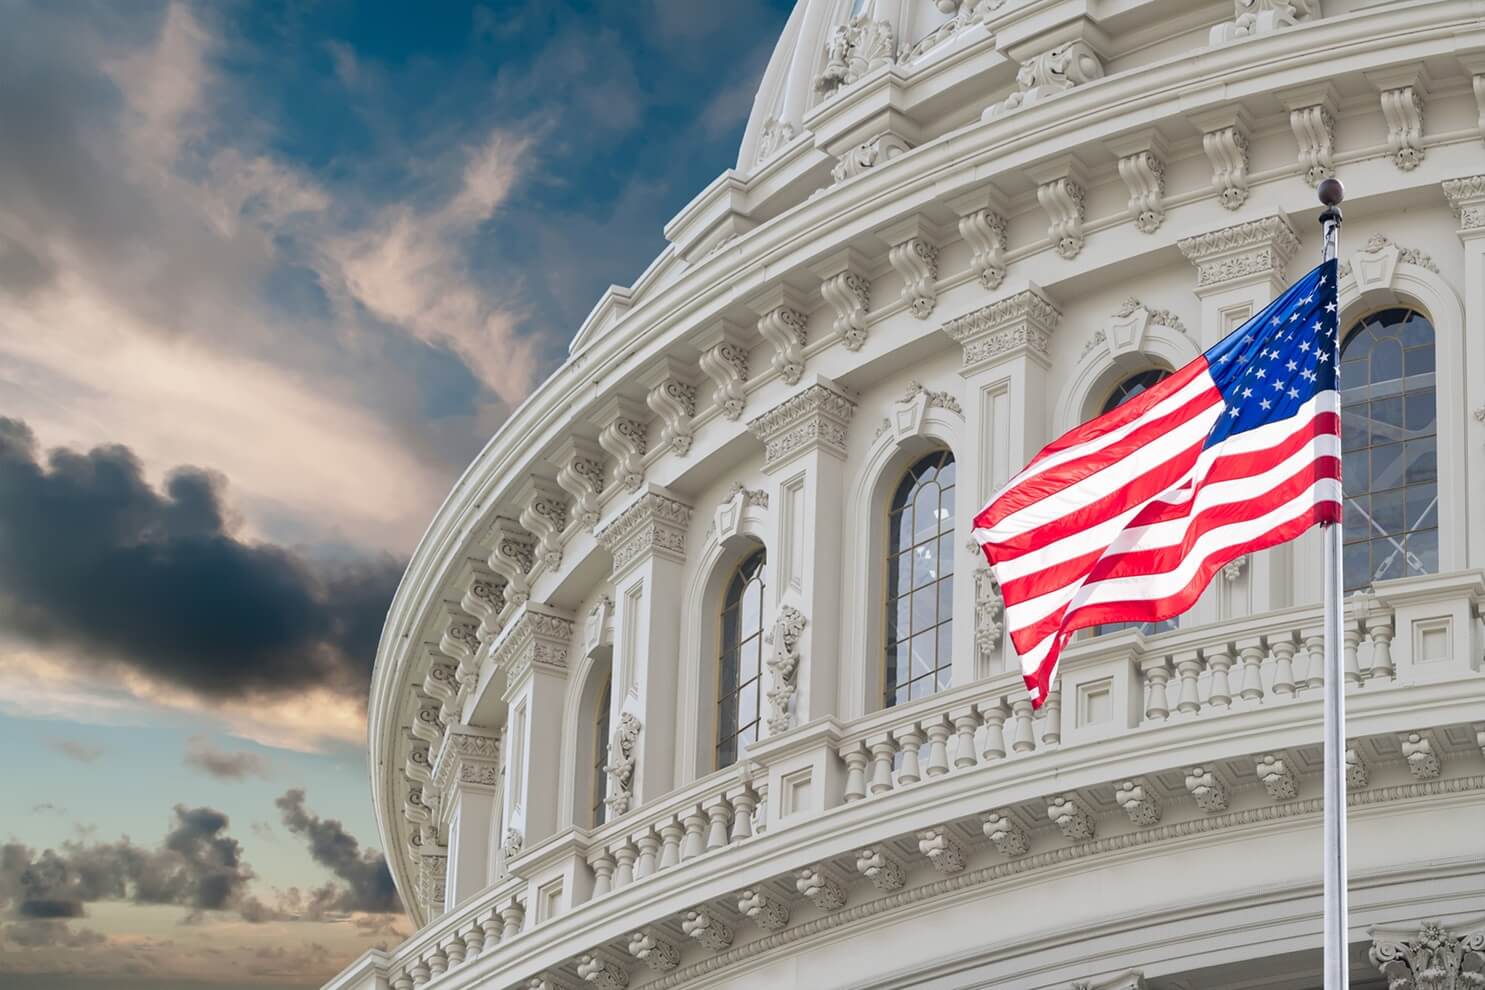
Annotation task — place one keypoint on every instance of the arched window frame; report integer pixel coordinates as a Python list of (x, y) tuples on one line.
[(739, 648), (928, 558)]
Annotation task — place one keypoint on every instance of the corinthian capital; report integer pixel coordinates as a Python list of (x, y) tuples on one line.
[(1021, 324)]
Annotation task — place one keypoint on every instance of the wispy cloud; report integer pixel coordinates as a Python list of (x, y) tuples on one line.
[(205, 756), (75, 750)]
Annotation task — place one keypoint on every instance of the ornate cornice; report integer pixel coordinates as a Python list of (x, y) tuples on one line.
[(654, 523), (470, 756), (815, 418), (1019, 324), (538, 635), (1255, 249), (1467, 200)]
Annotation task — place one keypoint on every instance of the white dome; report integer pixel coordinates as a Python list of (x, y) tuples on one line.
[(829, 44)]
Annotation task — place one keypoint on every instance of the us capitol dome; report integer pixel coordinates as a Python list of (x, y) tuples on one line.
[(697, 678)]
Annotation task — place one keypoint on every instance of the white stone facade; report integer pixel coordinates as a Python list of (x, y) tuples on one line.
[(954, 226)]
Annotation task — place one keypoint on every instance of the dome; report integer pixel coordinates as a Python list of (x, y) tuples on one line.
[(828, 45)]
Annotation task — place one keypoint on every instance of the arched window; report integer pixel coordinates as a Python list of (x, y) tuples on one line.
[(1122, 393), (740, 675), (920, 580), (600, 751), (1389, 427)]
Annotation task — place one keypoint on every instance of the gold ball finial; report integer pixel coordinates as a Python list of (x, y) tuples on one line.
[(1331, 192)]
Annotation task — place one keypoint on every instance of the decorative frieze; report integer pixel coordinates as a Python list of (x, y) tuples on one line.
[(763, 909), (1008, 838), (942, 849), (783, 667), (1224, 139), (1207, 789), (623, 437), (985, 232), (1430, 957), (879, 866), (846, 289), (654, 523), (1071, 818), (1019, 324), (580, 474), (705, 927), (537, 636), (868, 155), (1402, 93), (856, 48), (1050, 73), (814, 418), (512, 556), (1252, 17), (821, 888), (469, 756), (724, 360), (1467, 199), (1138, 801), (433, 868), (544, 515), (620, 767), (655, 951), (1255, 249), (1277, 777), (672, 397)]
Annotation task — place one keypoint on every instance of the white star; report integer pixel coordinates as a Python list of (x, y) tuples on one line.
[(1262, 373), (1308, 375), (1247, 392), (1322, 279), (1291, 366), (1264, 403), (1318, 327), (1294, 393), (1223, 359), (1307, 299), (1324, 357), (1305, 346), (1233, 412), (1278, 384), (1293, 317), (1330, 306), (1275, 321), (1248, 338)]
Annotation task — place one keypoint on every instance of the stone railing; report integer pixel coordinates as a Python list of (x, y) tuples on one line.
[(819, 807)]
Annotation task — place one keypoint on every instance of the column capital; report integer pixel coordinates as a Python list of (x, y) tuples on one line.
[(1429, 954), (537, 636), (1020, 324), (1467, 200), (814, 418), (655, 523), (1242, 254), (467, 756)]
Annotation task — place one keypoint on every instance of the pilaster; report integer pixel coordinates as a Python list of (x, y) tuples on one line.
[(804, 440), (467, 772), (648, 543), (1004, 365), (1467, 199)]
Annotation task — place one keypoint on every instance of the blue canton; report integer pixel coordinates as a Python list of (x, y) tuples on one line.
[(1278, 360)]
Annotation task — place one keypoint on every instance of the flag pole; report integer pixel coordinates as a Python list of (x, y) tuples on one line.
[(1336, 924)]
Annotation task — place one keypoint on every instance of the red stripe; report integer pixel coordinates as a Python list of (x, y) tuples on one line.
[(1154, 610), (1056, 479), (1161, 560)]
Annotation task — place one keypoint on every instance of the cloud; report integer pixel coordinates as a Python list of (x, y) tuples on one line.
[(71, 748), (187, 603), (368, 882), (48, 808), (202, 755)]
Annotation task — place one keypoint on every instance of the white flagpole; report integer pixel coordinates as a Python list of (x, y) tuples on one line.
[(1336, 923)]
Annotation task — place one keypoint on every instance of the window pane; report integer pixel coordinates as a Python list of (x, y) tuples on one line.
[(1423, 507), (925, 608), (1387, 511), (1386, 466), (919, 596), (945, 646), (752, 607), (901, 662), (925, 565), (1387, 562), (1422, 463), (747, 707), (923, 653), (945, 598), (1356, 561), (946, 552), (1423, 551), (1419, 411), (925, 513)]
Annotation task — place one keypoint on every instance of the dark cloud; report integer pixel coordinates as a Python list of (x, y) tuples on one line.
[(368, 882), (197, 866), (202, 755), (188, 602), (71, 748)]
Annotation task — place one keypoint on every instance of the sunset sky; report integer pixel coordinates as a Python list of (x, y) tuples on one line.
[(270, 275)]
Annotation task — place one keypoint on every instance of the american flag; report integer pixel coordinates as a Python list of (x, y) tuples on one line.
[(1128, 517)]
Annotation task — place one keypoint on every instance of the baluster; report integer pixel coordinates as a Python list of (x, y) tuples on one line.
[(882, 752), (856, 759), (671, 834), (419, 971), (719, 813), (438, 963), (402, 981), (1282, 647), (1315, 667), (1380, 631), (1022, 740), (965, 724), (760, 813), (742, 814), (625, 854), (602, 865), (1251, 651), (1350, 639), (908, 742), (1157, 697), (492, 926), (994, 715), (1052, 717), (695, 843), (474, 941), (453, 949), (512, 917), (1219, 661), (649, 855), (1188, 668), (938, 731)]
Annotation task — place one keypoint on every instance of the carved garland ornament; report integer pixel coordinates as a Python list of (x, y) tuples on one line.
[(784, 666), (620, 766)]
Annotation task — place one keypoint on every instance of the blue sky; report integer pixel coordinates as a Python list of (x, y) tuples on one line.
[(270, 275)]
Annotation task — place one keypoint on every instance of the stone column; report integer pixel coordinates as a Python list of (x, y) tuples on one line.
[(648, 544), (532, 653), (1467, 198), (1239, 270), (1006, 407), (467, 772), (804, 439)]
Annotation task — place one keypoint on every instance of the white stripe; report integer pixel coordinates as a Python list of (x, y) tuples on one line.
[(1198, 385), (1109, 479)]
